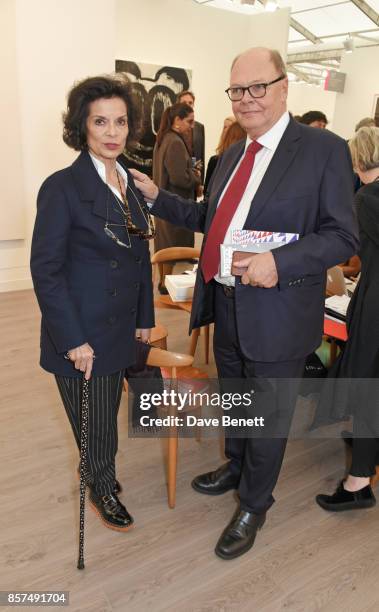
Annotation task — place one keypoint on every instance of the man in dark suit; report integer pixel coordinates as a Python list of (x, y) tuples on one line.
[(196, 143), (285, 177)]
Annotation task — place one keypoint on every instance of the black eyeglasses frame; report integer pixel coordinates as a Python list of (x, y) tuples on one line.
[(265, 85)]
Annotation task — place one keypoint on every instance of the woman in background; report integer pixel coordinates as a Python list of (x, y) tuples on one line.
[(230, 134), (360, 358), (173, 171)]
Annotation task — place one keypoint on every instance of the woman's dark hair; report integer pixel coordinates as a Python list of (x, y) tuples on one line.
[(79, 99), (180, 110)]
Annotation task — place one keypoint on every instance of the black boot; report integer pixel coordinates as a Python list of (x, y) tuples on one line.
[(347, 500)]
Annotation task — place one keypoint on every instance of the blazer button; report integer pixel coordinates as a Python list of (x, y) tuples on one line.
[(133, 310), (136, 285), (138, 259), (112, 320), (114, 263), (114, 292)]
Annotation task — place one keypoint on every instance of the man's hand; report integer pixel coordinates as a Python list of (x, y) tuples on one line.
[(143, 335), (261, 271), (145, 185), (83, 357)]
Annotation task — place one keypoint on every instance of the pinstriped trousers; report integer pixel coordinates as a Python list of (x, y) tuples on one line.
[(104, 402)]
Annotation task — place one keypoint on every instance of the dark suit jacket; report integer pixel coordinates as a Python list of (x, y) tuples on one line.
[(198, 145), (307, 189), (89, 289)]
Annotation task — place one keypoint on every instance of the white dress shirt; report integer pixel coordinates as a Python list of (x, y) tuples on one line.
[(100, 167), (269, 142)]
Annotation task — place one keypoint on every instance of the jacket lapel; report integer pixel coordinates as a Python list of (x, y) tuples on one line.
[(282, 159), (93, 190)]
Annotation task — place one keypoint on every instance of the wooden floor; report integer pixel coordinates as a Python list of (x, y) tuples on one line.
[(303, 560)]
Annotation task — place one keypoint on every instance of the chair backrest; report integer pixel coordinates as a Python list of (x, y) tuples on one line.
[(175, 254), (335, 282)]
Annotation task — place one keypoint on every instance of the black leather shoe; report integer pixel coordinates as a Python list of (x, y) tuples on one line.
[(347, 500), (216, 483), (239, 536), (111, 511), (117, 485)]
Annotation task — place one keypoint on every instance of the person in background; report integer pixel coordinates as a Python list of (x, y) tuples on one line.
[(173, 171), (315, 119), (196, 137), (360, 357), (91, 271), (233, 133), (365, 122)]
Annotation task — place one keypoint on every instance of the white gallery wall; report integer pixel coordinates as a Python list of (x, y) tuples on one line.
[(12, 218), (55, 43), (303, 98), (361, 87), (52, 43)]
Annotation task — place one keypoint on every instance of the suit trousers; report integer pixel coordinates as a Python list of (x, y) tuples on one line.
[(256, 461), (104, 402)]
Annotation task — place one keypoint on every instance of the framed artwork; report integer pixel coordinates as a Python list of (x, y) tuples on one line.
[(154, 88)]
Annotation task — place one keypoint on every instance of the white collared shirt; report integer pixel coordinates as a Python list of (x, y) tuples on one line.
[(100, 167), (270, 141)]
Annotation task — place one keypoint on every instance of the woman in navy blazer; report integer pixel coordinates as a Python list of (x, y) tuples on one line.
[(91, 271)]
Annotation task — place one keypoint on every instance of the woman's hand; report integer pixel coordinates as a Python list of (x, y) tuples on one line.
[(143, 335), (83, 357), (145, 185)]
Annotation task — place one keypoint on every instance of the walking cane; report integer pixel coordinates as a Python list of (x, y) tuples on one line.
[(83, 469)]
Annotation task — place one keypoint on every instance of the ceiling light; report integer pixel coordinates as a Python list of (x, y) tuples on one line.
[(349, 44), (270, 5)]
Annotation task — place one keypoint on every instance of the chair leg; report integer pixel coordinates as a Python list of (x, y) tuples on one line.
[(171, 468), (375, 478), (194, 337), (198, 429)]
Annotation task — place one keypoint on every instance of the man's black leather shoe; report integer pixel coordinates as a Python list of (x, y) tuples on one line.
[(347, 500), (111, 511), (239, 536), (117, 485), (216, 483)]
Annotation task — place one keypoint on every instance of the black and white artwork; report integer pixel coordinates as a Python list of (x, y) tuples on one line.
[(155, 88)]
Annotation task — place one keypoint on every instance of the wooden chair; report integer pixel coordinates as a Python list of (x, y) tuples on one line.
[(177, 367), (158, 336), (174, 254)]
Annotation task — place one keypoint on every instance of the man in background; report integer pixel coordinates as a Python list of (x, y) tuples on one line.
[(196, 139)]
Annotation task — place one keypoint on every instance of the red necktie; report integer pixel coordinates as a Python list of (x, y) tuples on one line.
[(225, 211)]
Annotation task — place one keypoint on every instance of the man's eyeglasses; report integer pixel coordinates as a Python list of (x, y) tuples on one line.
[(257, 90)]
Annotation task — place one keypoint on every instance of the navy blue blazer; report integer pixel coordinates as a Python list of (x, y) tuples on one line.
[(89, 289), (307, 189)]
